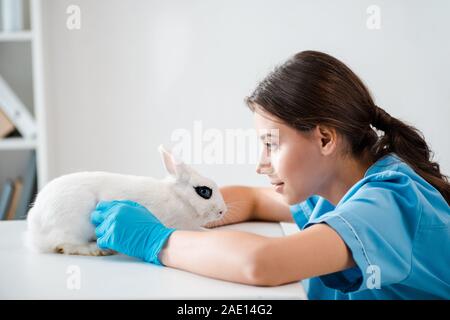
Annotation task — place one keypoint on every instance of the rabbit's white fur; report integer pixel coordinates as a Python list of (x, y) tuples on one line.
[(59, 220)]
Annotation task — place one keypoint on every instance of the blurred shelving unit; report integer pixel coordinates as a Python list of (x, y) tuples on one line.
[(21, 66)]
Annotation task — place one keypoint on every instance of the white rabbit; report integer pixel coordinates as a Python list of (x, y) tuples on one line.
[(59, 220)]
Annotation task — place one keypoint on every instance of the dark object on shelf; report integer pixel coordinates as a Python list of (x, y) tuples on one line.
[(5, 198), (14, 134), (29, 188)]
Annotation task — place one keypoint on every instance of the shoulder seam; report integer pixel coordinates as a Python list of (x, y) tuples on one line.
[(357, 238)]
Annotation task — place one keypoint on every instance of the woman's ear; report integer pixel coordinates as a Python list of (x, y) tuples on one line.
[(327, 138)]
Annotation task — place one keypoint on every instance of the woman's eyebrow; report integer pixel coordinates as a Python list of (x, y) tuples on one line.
[(268, 135)]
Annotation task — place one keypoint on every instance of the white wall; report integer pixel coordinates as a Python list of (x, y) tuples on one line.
[(139, 69)]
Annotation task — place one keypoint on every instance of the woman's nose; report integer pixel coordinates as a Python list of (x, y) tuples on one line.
[(264, 166), (264, 169)]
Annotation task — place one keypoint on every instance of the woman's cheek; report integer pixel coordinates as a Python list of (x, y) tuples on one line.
[(276, 160)]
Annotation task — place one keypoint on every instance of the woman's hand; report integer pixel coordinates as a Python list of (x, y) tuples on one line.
[(129, 228)]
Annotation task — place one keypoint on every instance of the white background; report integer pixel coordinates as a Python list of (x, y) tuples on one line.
[(137, 70)]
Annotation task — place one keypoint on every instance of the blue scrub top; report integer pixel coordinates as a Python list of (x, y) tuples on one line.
[(397, 227)]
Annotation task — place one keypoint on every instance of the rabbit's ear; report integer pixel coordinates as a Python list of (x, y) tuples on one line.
[(168, 160), (173, 165)]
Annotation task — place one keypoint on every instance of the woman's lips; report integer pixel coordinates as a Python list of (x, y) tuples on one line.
[(278, 186)]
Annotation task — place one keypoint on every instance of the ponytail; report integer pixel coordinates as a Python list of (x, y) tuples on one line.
[(409, 144)]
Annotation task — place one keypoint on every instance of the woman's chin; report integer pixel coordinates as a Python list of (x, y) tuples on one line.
[(292, 199), (289, 198)]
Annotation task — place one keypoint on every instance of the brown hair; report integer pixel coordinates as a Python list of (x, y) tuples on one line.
[(314, 88)]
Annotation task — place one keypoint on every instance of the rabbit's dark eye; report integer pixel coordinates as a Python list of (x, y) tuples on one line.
[(204, 192)]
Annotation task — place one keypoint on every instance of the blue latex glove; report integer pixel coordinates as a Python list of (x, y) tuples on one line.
[(129, 228)]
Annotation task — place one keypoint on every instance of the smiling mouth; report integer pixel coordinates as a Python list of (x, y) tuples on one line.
[(278, 186)]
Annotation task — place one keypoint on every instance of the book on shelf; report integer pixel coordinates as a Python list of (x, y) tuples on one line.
[(16, 111), (18, 194), (13, 15), (6, 125), (6, 197), (29, 188), (18, 185)]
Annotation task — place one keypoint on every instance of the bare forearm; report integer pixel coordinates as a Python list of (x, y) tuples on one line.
[(252, 259), (221, 254), (313, 252), (270, 206), (252, 203)]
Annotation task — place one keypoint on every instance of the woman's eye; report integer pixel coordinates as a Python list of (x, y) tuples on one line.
[(270, 146), (204, 192)]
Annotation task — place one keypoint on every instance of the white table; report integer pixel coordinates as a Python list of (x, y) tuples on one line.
[(27, 275)]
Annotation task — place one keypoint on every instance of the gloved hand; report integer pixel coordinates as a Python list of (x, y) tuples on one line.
[(129, 228)]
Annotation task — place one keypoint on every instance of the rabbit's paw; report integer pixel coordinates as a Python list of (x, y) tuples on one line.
[(88, 249)]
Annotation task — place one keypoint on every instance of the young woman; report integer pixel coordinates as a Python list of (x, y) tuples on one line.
[(373, 208)]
